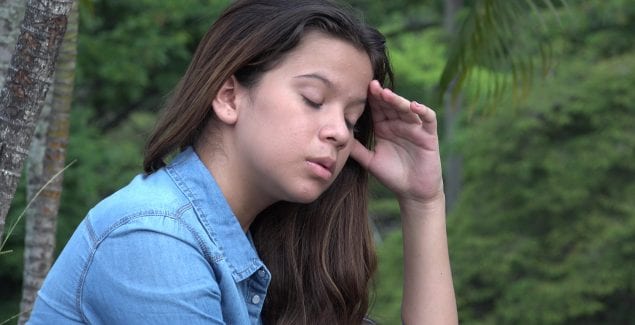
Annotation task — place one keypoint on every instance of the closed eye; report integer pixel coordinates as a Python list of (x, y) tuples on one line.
[(311, 103)]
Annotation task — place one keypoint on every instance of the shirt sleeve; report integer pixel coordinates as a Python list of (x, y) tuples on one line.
[(150, 274)]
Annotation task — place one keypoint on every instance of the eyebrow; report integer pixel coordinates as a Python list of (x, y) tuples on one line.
[(329, 84), (319, 77)]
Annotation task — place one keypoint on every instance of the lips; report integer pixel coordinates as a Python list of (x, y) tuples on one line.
[(323, 167)]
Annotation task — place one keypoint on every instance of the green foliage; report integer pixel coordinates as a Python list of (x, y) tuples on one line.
[(131, 53), (598, 30), (11, 262), (399, 15), (388, 287), (418, 60), (545, 230), (500, 35)]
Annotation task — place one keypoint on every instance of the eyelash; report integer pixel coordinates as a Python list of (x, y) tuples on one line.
[(312, 104)]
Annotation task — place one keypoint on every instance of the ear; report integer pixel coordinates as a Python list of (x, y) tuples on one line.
[(225, 103)]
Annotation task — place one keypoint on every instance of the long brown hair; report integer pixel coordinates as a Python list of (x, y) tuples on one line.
[(321, 254)]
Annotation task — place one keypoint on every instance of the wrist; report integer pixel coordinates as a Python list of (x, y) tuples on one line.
[(422, 216), (435, 202)]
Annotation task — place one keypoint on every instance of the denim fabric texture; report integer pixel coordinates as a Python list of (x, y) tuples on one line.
[(165, 249)]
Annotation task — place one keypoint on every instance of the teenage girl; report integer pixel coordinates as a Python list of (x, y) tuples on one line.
[(260, 215)]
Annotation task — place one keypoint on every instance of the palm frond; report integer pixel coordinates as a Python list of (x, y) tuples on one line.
[(499, 35)]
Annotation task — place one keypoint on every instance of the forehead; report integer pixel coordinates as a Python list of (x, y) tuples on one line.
[(338, 61)]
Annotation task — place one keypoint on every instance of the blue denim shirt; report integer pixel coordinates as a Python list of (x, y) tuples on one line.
[(165, 249)]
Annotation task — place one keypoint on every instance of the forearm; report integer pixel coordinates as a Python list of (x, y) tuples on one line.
[(428, 296)]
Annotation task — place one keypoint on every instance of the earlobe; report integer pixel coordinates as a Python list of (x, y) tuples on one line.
[(225, 104)]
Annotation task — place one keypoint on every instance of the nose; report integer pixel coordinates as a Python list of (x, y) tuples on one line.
[(335, 131)]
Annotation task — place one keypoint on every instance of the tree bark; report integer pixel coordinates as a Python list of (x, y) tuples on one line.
[(47, 158), (11, 14), (453, 169), (28, 79)]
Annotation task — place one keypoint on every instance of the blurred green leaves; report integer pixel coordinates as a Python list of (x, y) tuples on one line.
[(131, 53), (505, 36), (544, 231)]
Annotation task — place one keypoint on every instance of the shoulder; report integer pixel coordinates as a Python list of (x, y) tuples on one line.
[(146, 197), (156, 191), (148, 212), (141, 244)]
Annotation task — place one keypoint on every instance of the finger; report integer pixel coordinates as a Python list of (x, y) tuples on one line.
[(428, 116), (399, 105), (378, 104), (390, 106), (361, 154), (374, 101)]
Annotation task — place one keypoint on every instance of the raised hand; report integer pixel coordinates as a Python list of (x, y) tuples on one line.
[(406, 156)]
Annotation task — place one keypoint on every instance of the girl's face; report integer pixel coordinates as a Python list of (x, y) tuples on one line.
[(294, 130)]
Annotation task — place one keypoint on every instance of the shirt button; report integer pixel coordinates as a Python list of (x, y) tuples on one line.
[(255, 299), (262, 273)]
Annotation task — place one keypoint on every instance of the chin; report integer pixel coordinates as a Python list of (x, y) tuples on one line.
[(306, 195), (304, 199)]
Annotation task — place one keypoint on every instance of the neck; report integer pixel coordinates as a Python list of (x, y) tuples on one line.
[(245, 200)]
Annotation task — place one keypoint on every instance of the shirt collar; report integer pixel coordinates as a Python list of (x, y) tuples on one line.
[(197, 183)]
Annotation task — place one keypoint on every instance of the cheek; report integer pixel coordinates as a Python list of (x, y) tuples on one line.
[(281, 144)]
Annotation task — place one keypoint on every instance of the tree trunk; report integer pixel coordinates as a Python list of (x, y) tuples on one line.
[(47, 157), (11, 14), (26, 84), (451, 113)]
